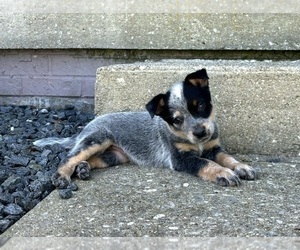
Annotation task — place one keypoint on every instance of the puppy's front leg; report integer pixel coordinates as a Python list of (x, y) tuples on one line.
[(206, 169), (211, 171), (244, 171), (214, 152)]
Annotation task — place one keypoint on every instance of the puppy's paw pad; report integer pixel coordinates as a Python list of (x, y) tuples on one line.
[(59, 181), (72, 186), (65, 193), (245, 172), (83, 170)]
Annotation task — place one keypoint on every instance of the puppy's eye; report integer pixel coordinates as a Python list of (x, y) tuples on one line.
[(177, 121), (201, 106)]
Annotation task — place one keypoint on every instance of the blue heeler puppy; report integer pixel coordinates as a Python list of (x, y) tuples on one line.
[(178, 132)]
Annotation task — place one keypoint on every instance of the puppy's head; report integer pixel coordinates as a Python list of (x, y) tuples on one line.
[(187, 108)]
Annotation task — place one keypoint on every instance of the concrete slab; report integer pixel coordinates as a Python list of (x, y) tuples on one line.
[(152, 243), (156, 31), (257, 102), (133, 201), (150, 6)]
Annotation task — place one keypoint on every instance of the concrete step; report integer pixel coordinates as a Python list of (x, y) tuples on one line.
[(257, 102), (134, 201), (142, 29)]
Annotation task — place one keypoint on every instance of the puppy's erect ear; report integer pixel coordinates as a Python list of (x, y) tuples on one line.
[(198, 78), (157, 105)]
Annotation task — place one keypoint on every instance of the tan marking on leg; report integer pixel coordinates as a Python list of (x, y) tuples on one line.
[(120, 154), (186, 147), (211, 171), (122, 158), (96, 162), (242, 170), (216, 173), (68, 168), (226, 160), (210, 144)]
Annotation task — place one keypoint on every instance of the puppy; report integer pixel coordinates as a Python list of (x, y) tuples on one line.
[(178, 132)]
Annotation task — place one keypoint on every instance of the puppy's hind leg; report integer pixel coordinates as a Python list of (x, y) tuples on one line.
[(111, 157), (62, 177)]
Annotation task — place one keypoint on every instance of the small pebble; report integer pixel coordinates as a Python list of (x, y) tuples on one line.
[(44, 111), (158, 216), (13, 209)]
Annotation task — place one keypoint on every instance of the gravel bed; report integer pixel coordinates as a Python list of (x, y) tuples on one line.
[(25, 170)]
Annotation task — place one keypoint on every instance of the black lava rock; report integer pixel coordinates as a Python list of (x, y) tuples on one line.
[(4, 224), (1, 207), (18, 160), (12, 209), (5, 198), (14, 123), (26, 170), (11, 183), (3, 175)]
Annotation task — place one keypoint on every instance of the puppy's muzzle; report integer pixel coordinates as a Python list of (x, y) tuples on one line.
[(203, 132), (199, 132)]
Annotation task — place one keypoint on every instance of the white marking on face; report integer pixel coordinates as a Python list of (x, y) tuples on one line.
[(177, 91), (191, 137), (210, 128)]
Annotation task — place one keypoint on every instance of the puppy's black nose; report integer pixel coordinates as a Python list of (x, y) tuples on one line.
[(199, 132)]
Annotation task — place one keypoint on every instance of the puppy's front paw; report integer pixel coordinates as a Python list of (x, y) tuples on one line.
[(222, 176), (228, 178), (60, 181), (83, 170), (245, 172)]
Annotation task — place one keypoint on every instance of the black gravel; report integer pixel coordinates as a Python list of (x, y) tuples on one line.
[(25, 170)]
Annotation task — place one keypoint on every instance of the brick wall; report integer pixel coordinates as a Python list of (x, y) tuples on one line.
[(36, 77)]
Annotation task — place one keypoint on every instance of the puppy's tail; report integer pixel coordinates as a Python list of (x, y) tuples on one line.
[(68, 142)]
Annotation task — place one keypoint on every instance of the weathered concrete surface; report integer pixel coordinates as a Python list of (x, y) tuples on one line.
[(152, 243), (150, 6), (257, 102), (133, 201), (178, 31)]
